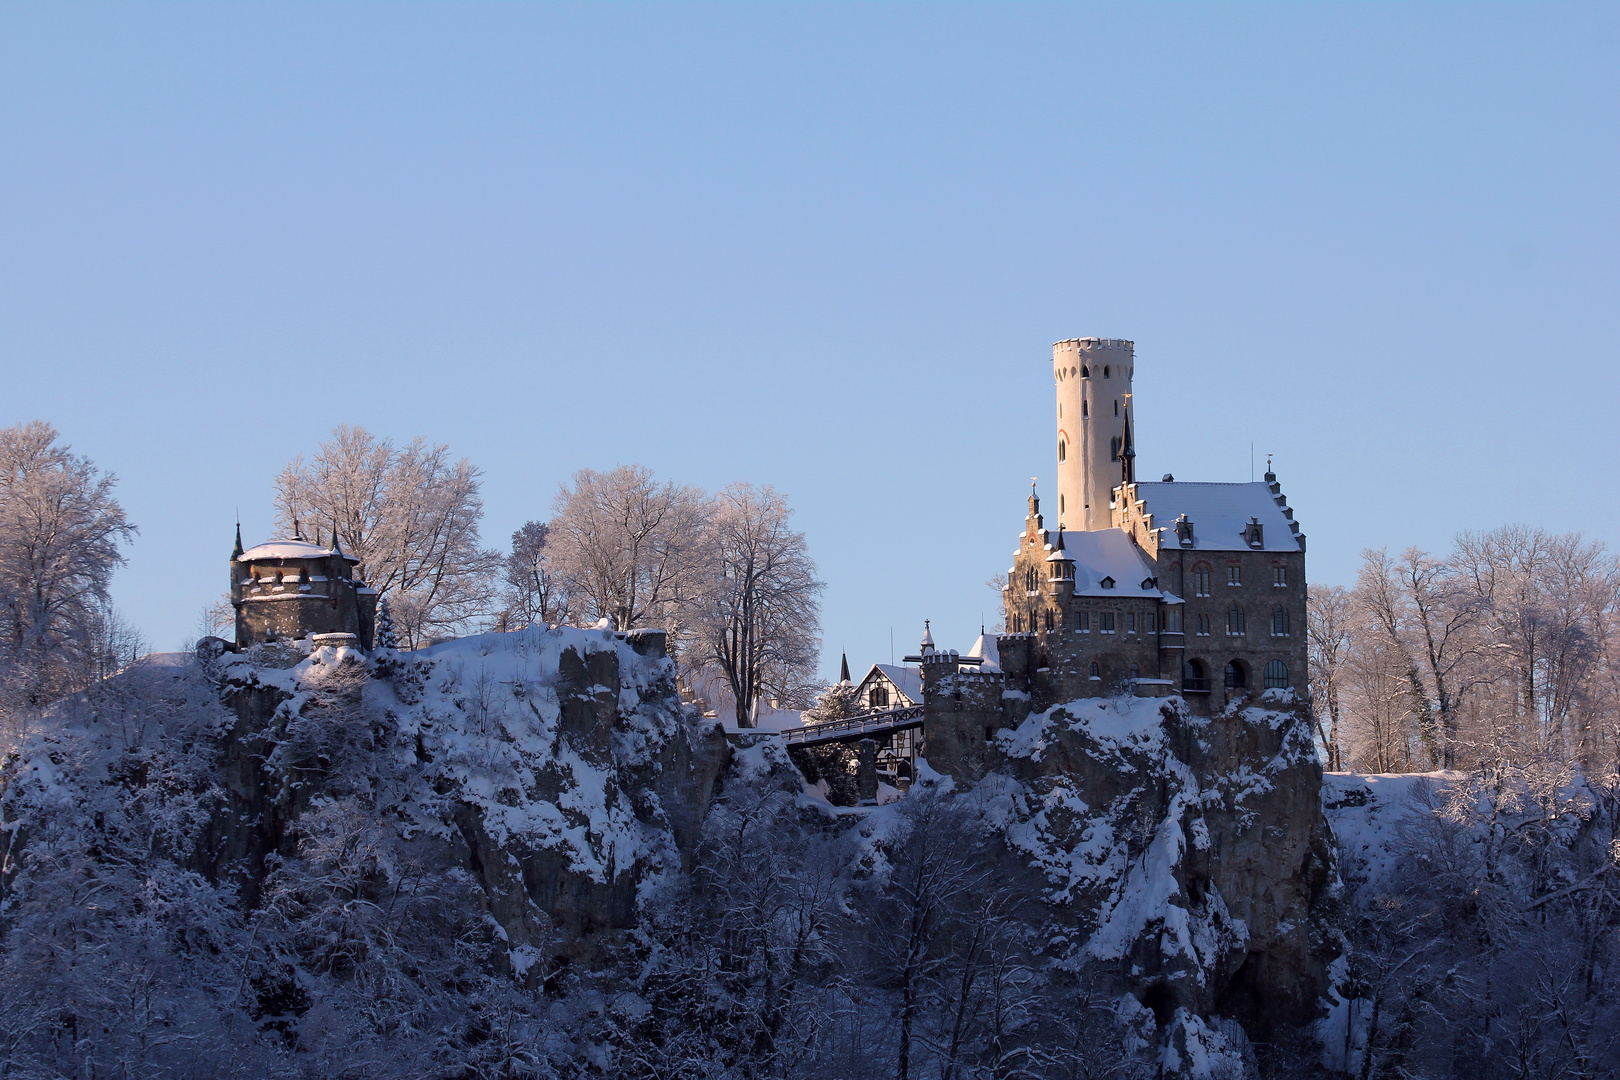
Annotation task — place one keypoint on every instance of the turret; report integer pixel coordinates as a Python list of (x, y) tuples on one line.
[(1095, 449)]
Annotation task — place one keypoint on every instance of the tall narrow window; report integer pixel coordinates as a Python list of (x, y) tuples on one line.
[(1237, 676), (1279, 577), (1063, 450), (878, 697), (1234, 575), (1201, 581), (1172, 620), (1234, 621), (1048, 620), (1094, 671), (1150, 622), (1082, 622), (1279, 621), (1107, 619), (1203, 626)]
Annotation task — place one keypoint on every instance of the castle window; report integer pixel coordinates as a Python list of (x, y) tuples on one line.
[(1276, 675), (1193, 678), (1085, 371), (1237, 676), (1107, 622), (1105, 371), (1279, 577), (1234, 621), (1048, 621), (878, 697), (1116, 406), (1085, 411), (1172, 620), (1135, 672), (1113, 445), (1063, 455), (1094, 671), (1150, 622), (1107, 583), (1130, 622), (1200, 581), (1234, 575), (1279, 621), (1082, 622), (1203, 626), (1032, 580)]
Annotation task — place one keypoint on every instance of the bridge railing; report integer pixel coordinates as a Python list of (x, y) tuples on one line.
[(874, 722)]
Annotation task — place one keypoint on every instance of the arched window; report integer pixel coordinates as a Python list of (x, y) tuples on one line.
[(1237, 676), (1135, 671), (1234, 621), (1276, 675), (1279, 621), (1085, 410), (1063, 453), (1193, 677), (878, 697), (1048, 620), (1094, 671), (1105, 371), (1031, 580), (1085, 371), (1201, 580)]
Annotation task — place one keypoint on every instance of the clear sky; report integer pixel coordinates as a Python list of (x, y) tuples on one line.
[(825, 247)]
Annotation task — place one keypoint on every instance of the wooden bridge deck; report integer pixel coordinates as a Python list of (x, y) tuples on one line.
[(852, 729)]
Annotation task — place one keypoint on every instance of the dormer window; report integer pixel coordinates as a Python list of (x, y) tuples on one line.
[(1149, 583), (1253, 533), (1106, 583), (1184, 531)]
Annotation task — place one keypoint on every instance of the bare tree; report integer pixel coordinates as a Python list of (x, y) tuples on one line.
[(630, 549), (1329, 635), (760, 617), (1445, 614), (410, 515), (1384, 611), (536, 592), (60, 531)]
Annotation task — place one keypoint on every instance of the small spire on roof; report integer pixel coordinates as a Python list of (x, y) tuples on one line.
[(843, 669), (928, 637), (297, 533), (236, 552)]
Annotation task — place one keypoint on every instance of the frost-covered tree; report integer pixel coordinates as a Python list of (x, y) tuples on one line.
[(535, 590), (759, 615), (1328, 633), (60, 536), (630, 549), (410, 515)]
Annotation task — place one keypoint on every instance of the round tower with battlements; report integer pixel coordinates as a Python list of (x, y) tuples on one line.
[(1095, 453)]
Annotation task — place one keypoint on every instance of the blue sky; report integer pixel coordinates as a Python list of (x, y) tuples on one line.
[(825, 247)]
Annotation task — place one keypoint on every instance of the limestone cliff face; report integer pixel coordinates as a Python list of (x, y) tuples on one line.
[(557, 767), (1188, 854)]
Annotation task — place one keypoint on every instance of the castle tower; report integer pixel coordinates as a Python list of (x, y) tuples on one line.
[(1094, 437)]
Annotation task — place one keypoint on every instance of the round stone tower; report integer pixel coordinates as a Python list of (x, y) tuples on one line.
[(1095, 453)]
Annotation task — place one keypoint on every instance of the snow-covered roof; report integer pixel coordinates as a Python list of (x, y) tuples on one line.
[(288, 549), (1108, 553), (907, 680), (985, 649), (1219, 513)]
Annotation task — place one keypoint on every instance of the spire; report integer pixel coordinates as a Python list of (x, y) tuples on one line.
[(335, 547), (928, 637), (1127, 452), (297, 532), (843, 669), (236, 552)]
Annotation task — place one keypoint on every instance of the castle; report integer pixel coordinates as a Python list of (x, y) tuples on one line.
[(284, 590), (1150, 588)]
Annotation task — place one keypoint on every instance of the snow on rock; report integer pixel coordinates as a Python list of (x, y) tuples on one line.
[(557, 765), (1187, 852)]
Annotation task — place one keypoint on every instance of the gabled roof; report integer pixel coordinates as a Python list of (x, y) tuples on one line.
[(908, 681), (986, 649), (1218, 512), (1108, 553)]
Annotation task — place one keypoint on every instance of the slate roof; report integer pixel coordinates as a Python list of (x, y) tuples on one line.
[(1107, 553), (1218, 512)]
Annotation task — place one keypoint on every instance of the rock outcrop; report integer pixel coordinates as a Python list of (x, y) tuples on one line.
[(1188, 855)]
